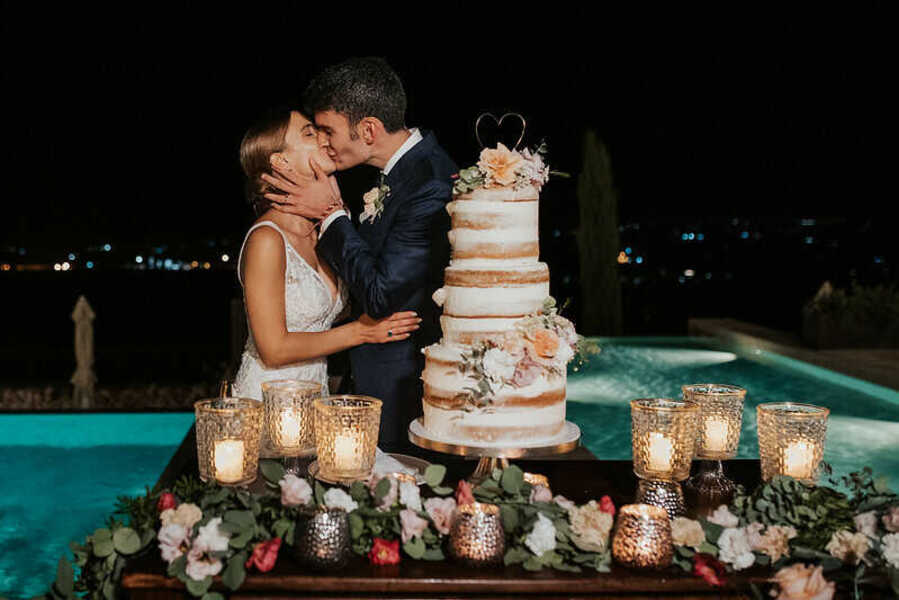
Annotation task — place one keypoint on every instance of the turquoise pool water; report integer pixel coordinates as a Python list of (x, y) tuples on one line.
[(863, 427), (61, 474)]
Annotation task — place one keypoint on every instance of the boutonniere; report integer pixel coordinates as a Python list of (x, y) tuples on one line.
[(373, 201)]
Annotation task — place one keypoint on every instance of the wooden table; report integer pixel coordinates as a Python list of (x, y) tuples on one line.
[(578, 476)]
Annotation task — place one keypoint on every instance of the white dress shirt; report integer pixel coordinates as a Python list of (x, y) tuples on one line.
[(414, 137)]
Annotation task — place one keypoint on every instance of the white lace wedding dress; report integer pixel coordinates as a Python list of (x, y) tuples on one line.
[(309, 306)]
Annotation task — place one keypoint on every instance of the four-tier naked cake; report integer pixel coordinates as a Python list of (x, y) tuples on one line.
[(498, 375)]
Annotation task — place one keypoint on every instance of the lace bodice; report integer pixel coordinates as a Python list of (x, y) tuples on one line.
[(309, 306)]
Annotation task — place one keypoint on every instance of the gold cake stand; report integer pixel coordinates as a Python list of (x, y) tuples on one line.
[(493, 456)]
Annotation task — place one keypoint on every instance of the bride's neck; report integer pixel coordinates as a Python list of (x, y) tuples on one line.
[(300, 226)]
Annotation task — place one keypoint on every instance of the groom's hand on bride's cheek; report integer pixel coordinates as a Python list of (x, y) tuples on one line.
[(314, 199)]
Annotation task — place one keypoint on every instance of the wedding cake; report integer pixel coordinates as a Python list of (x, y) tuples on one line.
[(498, 374)]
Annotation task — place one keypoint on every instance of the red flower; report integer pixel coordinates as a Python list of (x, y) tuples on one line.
[(463, 493), (166, 501), (606, 505), (384, 553), (264, 555), (709, 568)]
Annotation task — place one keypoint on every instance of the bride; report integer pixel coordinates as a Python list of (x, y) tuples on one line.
[(291, 297)]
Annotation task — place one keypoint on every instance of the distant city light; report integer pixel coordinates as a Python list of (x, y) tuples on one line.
[(685, 237), (71, 256), (89, 265), (168, 263), (139, 259), (206, 265), (681, 279), (57, 267), (107, 247), (700, 237), (194, 264), (66, 266), (708, 275), (878, 260), (225, 258), (809, 239), (807, 222), (6, 267), (692, 235), (689, 272), (623, 259), (628, 251), (639, 260), (744, 235)]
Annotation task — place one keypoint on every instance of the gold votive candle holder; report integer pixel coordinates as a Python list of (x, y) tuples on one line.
[(346, 436), (791, 439), (720, 418), (642, 537), (290, 415), (228, 433), (663, 436), (476, 535)]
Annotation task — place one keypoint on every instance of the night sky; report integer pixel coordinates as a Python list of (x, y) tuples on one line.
[(126, 125)]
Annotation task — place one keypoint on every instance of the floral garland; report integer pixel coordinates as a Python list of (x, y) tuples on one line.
[(203, 530)]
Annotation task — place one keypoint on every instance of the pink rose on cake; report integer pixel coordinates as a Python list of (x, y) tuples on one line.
[(499, 165)]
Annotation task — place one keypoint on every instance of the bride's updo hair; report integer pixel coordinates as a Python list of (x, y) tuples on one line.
[(260, 141)]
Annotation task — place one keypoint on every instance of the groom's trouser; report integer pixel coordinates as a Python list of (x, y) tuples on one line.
[(397, 383)]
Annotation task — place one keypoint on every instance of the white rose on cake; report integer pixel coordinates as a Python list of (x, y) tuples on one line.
[(499, 365)]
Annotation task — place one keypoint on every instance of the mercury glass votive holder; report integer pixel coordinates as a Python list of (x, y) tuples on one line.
[(290, 416), (791, 439), (664, 494), (346, 436), (720, 418), (642, 537), (323, 538), (663, 436), (228, 433), (476, 535)]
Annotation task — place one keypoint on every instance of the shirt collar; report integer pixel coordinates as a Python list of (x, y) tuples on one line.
[(414, 137)]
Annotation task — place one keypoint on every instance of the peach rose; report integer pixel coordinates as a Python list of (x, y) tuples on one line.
[(801, 582), (499, 164), (546, 343)]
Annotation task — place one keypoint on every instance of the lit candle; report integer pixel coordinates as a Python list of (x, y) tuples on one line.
[(228, 459), (715, 434), (661, 452), (346, 452), (799, 458), (289, 428)]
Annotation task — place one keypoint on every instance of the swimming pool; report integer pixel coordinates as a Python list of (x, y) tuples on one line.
[(863, 427), (61, 474)]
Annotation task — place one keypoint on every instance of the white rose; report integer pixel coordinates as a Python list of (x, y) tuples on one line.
[(210, 538), (722, 516), (295, 491), (543, 537), (171, 538), (337, 498), (867, 523), (499, 365), (200, 565), (186, 514), (734, 548), (687, 532), (891, 549), (564, 354), (410, 495)]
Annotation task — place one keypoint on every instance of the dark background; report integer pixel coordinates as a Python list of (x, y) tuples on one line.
[(122, 126)]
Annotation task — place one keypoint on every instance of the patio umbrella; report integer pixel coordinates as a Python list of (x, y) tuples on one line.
[(84, 378)]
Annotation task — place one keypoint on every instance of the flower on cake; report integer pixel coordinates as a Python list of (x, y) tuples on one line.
[(502, 167), (499, 165), (499, 365)]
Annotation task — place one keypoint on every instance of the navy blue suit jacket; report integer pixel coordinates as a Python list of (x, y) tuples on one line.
[(394, 264)]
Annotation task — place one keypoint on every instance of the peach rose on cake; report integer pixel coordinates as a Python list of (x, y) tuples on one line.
[(546, 343), (499, 164)]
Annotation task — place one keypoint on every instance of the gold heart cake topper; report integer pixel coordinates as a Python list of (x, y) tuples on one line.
[(499, 124)]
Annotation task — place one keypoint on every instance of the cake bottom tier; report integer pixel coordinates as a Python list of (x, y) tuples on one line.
[(499, 424)]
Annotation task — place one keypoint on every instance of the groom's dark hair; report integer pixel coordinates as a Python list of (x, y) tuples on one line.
[(359, 88)]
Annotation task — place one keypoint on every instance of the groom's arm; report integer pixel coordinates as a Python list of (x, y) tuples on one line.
[(382, 282)]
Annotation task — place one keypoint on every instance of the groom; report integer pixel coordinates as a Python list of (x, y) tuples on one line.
[(392, 255)]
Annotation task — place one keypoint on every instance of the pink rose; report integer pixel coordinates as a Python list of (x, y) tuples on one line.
[(541, 493), (295, 491), (200, 564), (891, 520), (441, 512), (173, 541), (801, 582), (606, 505), (526, 371), (464, 494), (412, 524), (392, 494)]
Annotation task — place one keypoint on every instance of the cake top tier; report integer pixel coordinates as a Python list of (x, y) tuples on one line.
[(501, 168)]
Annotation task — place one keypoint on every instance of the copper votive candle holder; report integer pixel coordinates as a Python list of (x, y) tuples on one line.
[(791, 439), (642, 537), (346, 436), (290, 415), (228, 433), (476, 534), (663, 434), (323, 538)]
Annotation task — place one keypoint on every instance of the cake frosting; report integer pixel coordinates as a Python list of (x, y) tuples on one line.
[(498, 374)]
